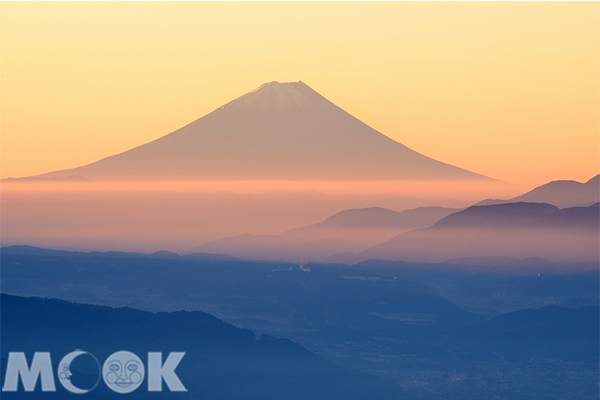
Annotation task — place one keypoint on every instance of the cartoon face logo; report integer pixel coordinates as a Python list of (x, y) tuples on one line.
[(123, 372)]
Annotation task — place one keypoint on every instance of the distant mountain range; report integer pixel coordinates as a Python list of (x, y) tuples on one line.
[(519, 230), (495, 216), (559, 193), (345, 231), (523, 215), (379, 218), (491, 230), (278, 131), (221, 361)]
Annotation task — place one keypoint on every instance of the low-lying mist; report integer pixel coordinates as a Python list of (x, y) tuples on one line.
[(179, 216)]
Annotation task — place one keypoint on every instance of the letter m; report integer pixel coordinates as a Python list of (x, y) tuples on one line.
[(17, 366)]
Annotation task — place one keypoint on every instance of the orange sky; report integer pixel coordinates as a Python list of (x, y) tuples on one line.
[(509, 90)]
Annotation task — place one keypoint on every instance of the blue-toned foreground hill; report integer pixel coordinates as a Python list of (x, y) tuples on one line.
[(221, 361)]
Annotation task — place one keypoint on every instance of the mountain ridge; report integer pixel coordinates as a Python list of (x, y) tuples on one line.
[(560, 193), (521, 230)]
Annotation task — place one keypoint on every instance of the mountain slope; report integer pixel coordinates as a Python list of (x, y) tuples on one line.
[(278, 131)]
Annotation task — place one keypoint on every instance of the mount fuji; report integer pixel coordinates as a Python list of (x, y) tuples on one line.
[(279, 131)]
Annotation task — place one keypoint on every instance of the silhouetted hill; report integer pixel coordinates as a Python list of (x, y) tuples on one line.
[(221, 361), (165, 254), (375, 217), (380, 218), (531, 215), (559, 193), (571, 218), (519, 230), (278, 131), (495, 216), (348, 230)]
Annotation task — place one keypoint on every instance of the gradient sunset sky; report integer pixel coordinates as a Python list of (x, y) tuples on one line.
[(509, 90)]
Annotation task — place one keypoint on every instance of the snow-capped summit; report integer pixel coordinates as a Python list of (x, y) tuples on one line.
[(279, 96)]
